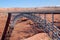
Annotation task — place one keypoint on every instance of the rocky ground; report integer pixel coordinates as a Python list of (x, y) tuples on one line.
[(39, 36)]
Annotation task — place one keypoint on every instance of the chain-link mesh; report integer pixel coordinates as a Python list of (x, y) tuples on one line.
[(48, 27)]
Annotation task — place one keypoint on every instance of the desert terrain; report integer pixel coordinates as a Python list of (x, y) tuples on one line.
[(24, 31)]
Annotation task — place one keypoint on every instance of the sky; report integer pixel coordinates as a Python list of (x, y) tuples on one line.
[(28, 3)]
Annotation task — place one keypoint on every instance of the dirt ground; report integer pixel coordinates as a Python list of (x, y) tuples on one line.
[(25, 31)]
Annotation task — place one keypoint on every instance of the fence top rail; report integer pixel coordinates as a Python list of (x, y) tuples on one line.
[(40, 12)]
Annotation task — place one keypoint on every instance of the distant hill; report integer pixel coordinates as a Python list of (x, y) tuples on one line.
[(29, 9)]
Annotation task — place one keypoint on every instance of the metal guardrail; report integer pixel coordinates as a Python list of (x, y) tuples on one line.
[(47, 26)]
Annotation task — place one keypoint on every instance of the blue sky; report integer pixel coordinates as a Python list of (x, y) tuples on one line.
[(28, 3)]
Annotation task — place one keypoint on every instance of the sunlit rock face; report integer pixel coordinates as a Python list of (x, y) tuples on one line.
[(24, 29), (39, 36)]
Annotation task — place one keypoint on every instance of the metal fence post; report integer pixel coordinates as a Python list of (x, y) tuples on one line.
[(6, 26)]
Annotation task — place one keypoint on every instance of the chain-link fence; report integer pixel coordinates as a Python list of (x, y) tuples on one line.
[(45, 21)]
